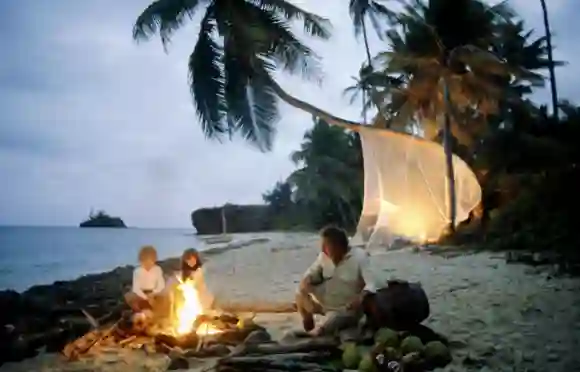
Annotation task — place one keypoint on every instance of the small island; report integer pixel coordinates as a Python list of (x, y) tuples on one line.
[(102, 219)]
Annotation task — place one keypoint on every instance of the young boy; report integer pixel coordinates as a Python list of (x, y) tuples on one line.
[(148, 283)]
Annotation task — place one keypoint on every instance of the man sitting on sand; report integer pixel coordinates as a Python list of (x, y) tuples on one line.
[(335, 285), (148, 284)]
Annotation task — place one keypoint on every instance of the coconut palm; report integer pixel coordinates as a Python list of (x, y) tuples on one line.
[(552, 66), (360, 11), (329, 177), (239, 46), (446, 60), (529, 57)]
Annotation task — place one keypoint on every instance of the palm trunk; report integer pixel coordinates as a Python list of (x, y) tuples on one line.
[(550, 60), (366, 40), (328, 117), (369, 61), (371, 90), (447, 146), (315, 111)]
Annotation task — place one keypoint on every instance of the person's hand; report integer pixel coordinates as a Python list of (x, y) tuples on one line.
[(355, 304), (150, 298), (305, 286)]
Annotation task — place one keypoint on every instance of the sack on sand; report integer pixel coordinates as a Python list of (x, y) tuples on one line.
[(399, 306)]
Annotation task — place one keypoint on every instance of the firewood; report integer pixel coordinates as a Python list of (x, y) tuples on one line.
[(257, 307), (278, 358), (265, 364), (81, 346), (307, 345)]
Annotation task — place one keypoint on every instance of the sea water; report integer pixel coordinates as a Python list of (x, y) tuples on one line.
[(42, 255)]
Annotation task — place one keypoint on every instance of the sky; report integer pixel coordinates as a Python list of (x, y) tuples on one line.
[(89, 119)]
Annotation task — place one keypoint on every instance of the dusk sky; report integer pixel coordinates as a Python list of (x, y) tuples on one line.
[(90, 119)]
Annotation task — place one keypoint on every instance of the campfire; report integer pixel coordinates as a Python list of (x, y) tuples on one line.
[(189, 312), (188, 327), (190, 332)]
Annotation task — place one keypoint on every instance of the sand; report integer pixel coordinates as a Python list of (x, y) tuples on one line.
[(499, 317)]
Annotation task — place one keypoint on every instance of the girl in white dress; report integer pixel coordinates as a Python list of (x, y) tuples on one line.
[(192, 270)]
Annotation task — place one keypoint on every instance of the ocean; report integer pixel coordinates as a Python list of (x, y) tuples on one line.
[(42, 255)]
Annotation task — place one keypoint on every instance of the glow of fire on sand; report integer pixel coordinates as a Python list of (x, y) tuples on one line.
[(188, 311)]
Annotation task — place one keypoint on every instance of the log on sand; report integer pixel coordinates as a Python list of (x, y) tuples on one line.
[(256, 307)]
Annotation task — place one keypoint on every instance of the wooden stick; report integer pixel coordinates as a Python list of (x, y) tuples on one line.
[(308, 345), (257, 307), (290, 357)]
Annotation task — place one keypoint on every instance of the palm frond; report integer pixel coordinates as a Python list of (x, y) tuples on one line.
[(267, 34), (265, 114), (481, 60), (206, 80), (165, 17), (314, 25)]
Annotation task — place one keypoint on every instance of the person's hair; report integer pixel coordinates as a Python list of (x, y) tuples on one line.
[(147, 252), (336, 236), (186, 270)]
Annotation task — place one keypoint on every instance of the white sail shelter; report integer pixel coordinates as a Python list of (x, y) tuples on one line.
[(405, 188)]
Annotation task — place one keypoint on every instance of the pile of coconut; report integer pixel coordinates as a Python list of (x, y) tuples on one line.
[(395, 351)]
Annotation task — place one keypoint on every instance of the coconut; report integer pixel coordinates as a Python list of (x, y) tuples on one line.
[(351, 355), (412, 344)]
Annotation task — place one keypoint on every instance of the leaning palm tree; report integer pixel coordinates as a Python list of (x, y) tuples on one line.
[(239, 46)]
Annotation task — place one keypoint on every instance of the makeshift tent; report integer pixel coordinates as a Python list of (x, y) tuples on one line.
[(405, 188)]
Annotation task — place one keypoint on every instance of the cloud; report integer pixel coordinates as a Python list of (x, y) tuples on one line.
[(90, 119)]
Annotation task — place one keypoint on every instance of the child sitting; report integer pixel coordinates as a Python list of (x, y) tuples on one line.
[(148, 283), (192, 271)]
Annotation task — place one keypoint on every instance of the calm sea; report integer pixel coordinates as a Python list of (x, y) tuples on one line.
[(41, 255)]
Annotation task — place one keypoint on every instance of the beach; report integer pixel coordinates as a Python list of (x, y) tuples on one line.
[(498, 316)]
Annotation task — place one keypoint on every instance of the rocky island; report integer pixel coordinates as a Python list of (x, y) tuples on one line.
[(102, 219)]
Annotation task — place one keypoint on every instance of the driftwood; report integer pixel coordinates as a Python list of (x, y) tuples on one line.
[(257, 307), (269, 364), (279, 358), (83, 345), (319, 344)]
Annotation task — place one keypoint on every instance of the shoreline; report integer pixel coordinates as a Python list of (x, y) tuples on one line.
[(499, 316)]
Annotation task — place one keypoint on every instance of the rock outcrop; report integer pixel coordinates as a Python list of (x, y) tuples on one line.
[(239, 219)]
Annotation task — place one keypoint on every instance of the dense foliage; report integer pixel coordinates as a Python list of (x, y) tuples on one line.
[(327, 186), (458, 71)]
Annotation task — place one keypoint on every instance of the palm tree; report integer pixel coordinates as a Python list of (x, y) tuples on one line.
[(529, 57), (373, 10), (359, 11), (551, 59), (446, 60), (329, 177), (239, 46)]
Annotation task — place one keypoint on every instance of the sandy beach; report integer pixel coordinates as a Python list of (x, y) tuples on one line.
[(499, 317)]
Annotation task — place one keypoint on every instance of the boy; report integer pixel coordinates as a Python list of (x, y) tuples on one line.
[(148, 283)]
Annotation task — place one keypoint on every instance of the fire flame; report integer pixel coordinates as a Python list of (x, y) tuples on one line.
[(189, 309)]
